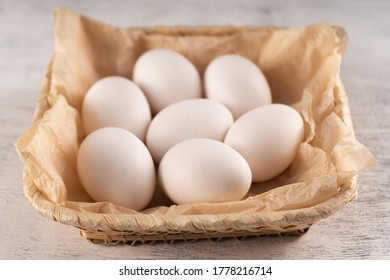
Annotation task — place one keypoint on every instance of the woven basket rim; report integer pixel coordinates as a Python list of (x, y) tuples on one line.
[(110, 221)]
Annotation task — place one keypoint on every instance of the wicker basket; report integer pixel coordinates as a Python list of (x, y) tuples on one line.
[(131, 228)]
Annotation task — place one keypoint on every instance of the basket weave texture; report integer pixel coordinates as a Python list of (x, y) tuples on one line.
[(50, 180)]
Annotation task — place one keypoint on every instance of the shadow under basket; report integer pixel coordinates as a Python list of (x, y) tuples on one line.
[(136, 238), (302, 67)]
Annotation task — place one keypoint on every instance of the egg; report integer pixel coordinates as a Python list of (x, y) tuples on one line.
[(166, 77), (192, 118), (237, 82), (117, 102), (268, 138), (115, 166), (204, 170)]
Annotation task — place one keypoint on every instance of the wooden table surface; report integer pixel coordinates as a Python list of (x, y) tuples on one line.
[(358, 231)]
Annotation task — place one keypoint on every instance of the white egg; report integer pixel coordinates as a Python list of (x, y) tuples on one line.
[(193, 118), (268, 138), (236, 82), (166, 77), (117, 102), (115, 166), (204, 170)]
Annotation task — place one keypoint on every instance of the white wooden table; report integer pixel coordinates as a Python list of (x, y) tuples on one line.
[(359, 231)]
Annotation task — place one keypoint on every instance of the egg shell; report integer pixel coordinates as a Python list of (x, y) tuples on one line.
[(166, 77), (204, 170), (268, 138), (193, 118), (237, 82), (115, 166), (116, 102)]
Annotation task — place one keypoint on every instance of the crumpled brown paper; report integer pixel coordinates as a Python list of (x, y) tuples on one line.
[(301, 65)]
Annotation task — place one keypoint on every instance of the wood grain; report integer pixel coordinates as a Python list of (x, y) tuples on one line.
[(359, 231)]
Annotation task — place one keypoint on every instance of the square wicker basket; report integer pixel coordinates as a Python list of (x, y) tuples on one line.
[(87, 50)]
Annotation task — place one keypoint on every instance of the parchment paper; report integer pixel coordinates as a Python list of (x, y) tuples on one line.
[(302, 66)]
